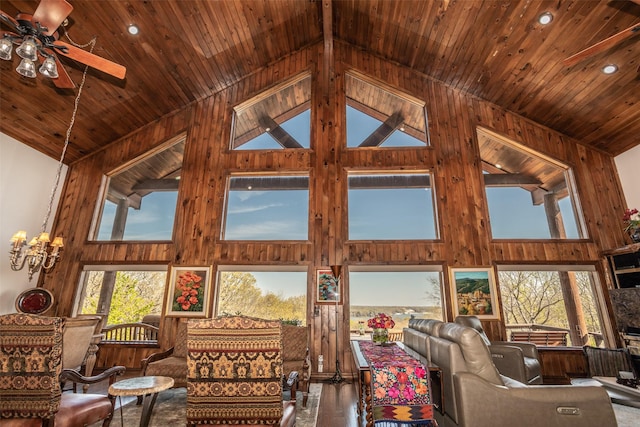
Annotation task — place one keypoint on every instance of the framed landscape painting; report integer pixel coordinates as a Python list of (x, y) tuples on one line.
[(188, 292), (474, 292), (327, 287)]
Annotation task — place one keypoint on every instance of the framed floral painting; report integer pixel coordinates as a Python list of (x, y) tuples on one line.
[(188, 292), (327, 287), (474, 292)]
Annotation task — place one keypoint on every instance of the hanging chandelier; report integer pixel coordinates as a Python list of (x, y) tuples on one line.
[(41, 252)]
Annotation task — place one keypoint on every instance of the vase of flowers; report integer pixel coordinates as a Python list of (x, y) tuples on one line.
[(380, 324), (631, 220)]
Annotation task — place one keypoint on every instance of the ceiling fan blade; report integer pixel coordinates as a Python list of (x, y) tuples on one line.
[(602, 46), (92, 60), (51, 13), (9, 21)]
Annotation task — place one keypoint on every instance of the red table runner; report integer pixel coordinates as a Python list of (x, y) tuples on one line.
[(399, 386)]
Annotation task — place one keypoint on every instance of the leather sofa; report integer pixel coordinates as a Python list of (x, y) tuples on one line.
[(516, 360), (477, 395)]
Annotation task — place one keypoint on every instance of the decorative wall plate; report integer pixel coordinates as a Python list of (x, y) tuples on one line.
[(34, 301)]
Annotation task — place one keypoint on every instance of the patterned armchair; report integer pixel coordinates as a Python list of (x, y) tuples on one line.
[(31, 348), (295, 359), (234, 373)]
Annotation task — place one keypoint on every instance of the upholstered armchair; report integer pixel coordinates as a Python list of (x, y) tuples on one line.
[(516, 360), (234, 373), (31, 353), (172, 362), (295, 360)]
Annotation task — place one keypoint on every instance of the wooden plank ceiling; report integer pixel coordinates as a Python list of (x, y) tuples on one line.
[(188, 50)]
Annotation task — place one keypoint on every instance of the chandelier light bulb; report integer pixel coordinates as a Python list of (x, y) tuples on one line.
[(27, 68), (6, 45), (28, 49), (49, 68)]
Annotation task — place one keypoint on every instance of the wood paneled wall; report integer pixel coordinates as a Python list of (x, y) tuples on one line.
[(453, 159)]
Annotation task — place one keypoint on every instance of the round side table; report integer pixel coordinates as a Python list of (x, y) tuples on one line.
[(148, 387)]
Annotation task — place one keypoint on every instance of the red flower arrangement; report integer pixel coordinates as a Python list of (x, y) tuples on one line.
[(381, 321), (188, 290)]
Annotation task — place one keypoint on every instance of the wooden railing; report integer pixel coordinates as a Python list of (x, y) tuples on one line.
[(130, 333), (541, 335)]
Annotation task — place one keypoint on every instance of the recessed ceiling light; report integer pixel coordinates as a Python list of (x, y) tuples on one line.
[(498, 166), (545, 18), (133, 29), (610, 68)]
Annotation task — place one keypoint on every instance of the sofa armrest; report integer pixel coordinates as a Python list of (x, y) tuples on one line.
[(154, 357), (483, 404), (509, 361), (528, 349)]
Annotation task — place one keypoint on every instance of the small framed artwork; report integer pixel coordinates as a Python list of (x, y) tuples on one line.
[(327, 287), (188, 293), (474, 292)]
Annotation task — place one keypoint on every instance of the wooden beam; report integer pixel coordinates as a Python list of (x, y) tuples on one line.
[(355, 182), (157, 185), (327, 32), (509, 180), (384, 131), (281, 136)]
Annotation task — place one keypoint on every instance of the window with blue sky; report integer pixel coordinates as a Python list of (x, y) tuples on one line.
[(529, 195), (140, 199), (260, 207), (391, 206)]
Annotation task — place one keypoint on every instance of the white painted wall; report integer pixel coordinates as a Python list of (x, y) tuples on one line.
[(26, 180), (628, 165)]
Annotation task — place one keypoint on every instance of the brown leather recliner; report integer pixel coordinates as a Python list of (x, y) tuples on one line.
[(476, 395), (516, 360)]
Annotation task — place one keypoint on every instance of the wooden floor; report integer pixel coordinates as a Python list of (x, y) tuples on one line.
[(338, 402)]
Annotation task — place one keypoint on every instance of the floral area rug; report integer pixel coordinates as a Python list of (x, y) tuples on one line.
[(170, 409)]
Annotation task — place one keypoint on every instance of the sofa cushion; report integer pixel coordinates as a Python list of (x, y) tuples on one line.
[(474, 350)]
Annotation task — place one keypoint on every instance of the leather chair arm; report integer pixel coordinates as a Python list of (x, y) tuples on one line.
[(528, 349), (154, 357), (509, 361), (483, 404)]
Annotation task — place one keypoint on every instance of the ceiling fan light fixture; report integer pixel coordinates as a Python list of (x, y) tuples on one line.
[(49, 68), (28, 49), (6, 46), (610, 69), (27, 68), (545, 18)]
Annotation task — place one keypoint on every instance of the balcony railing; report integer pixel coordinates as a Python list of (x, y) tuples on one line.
[(130, 333)]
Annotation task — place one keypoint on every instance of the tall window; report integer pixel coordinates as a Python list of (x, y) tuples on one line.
[(252, 291), (530, 196), (380, 116), (276, 119), (127, 295), (267, 208), (544, 298), (391, 206), (402, 292), (140, 199)]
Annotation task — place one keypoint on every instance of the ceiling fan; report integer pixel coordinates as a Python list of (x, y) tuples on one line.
[(38, 35), (604, 45)]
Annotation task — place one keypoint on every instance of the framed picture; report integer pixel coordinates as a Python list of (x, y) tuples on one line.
[(474, 292), (188, 292), (327, 287)]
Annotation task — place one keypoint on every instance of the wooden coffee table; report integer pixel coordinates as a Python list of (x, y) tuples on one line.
[(148, 387)]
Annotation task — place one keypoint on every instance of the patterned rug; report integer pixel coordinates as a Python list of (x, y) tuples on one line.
[(170, 410)]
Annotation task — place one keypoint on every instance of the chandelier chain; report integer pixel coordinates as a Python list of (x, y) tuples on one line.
[(91, 43)]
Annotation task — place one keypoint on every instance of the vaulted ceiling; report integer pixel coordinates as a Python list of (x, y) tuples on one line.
[(187, 50)]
